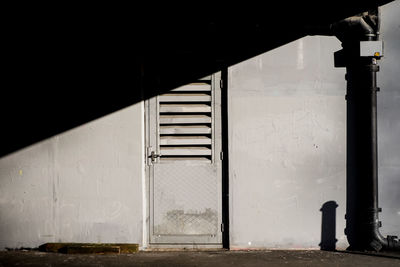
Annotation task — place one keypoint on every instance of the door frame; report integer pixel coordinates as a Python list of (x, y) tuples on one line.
[(223, 102)]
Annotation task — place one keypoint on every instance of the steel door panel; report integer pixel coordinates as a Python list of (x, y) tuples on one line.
[(185, 172)]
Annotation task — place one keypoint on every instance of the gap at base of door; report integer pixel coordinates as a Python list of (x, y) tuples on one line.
[(184, 247)]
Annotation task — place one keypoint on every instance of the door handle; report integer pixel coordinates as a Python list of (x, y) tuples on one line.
[(154, 156)]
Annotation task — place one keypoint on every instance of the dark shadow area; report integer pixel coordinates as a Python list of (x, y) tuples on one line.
[(310, 258), (225, 159), (353, 182), (65, 66), (328, 226), (89, 248), (385, 254)]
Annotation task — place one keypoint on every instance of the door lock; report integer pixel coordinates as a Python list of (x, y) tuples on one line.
[(154, 156)]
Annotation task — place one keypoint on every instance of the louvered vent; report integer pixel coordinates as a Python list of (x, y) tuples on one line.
[(185, 123)]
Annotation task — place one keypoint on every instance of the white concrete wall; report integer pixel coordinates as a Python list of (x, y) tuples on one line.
[(84, 185), (287, 119), (287, 145), (287, 158), (389, 121)]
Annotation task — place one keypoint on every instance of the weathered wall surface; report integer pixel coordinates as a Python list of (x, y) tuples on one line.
[(84, 185), (287, 158), (389, 121), (287, 144), (287, 126)]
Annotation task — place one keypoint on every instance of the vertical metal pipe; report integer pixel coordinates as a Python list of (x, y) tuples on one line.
[(362, 193), (362, 223)]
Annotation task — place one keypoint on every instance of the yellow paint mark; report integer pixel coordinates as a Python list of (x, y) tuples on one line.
[(20, 172)]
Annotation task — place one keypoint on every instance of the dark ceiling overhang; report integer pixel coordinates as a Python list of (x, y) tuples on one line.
[(68, 65)]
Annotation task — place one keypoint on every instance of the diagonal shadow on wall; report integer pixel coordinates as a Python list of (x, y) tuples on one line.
[(72, 65)]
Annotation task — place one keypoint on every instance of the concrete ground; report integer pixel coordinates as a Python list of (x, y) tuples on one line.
[(200, 258)]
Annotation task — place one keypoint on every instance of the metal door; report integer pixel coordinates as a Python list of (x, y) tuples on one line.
[(184, 164)]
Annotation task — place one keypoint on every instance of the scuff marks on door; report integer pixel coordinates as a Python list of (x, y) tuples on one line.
[(179, 222)]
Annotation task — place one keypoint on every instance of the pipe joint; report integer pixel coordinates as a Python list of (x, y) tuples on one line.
[(364, 26)]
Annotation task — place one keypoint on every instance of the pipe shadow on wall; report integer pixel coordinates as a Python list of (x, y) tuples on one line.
[(328, 226)]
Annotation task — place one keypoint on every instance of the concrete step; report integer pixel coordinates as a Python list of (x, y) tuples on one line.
[(90, 248)]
